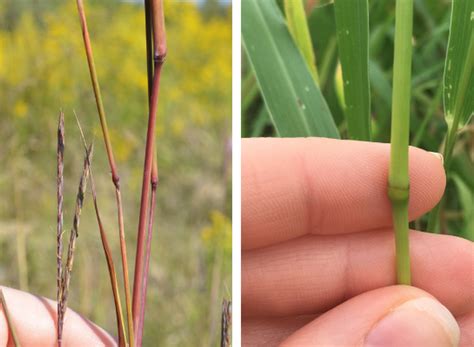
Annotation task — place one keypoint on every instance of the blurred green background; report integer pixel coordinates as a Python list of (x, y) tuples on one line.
[(428, 127), (42, 69)]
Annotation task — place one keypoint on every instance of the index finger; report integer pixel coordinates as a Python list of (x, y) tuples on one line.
[(297, 186), (34, 319)]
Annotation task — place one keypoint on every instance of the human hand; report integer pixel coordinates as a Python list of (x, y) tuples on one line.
[(34, 319), (318, 253)]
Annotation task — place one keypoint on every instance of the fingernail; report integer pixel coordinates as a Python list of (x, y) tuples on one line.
[(418, 322), (439, 156)]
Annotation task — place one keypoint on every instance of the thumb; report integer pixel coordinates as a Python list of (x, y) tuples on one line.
[(391, 316)]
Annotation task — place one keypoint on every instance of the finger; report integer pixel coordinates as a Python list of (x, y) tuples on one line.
[(293, 187), (271, 331), (315, 273), (466, 323), (34, 318), (391, 316)]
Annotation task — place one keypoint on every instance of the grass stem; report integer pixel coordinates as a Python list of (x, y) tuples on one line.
[(160, 50), (151, 219), (398, 181), (11, 326), (113, 167), (122, 337)]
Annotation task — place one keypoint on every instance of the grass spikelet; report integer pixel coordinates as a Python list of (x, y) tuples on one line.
[(226, 322), (74, 235), (59, 231)]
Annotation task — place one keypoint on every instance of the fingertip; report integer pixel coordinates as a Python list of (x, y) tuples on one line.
[(445, 276), (427, 181)]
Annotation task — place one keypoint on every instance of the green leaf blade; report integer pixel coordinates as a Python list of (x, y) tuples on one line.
[(458, 92), (295, 104), (298, 27), (352, 21)]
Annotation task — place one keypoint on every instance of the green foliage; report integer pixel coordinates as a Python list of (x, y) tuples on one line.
[(296, 107), (296, 18), (458, 72), (427, 124), (42, 69), (352, 20)]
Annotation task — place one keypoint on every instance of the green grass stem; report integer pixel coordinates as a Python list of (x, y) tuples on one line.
[(398, 181)]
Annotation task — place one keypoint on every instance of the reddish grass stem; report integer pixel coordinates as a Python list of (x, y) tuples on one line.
[(113, 167), (108, 254), (151, 219), (59, 222), (112, 273), (159, 40)]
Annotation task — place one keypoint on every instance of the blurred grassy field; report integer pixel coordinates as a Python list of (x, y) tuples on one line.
[(42, 69), (428, 127)]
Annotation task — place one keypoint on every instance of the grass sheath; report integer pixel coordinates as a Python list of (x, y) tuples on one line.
[(66, 279), (11, 326), (59, 222), (113, 167), (108, 254), (151, 219), (398, 181), (160, 50)]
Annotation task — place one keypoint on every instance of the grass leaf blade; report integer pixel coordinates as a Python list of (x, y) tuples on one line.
[(352, 21), (458, 77), (298, 26), (295, 104)]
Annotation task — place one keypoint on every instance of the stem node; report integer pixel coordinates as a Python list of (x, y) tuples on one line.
[(398, 195)]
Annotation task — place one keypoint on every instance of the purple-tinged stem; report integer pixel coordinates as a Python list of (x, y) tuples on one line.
[(151, 220), (122, 337), (113, 167), (160, 49)]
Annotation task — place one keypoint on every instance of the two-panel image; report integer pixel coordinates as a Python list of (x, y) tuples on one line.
[(237, 173)]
